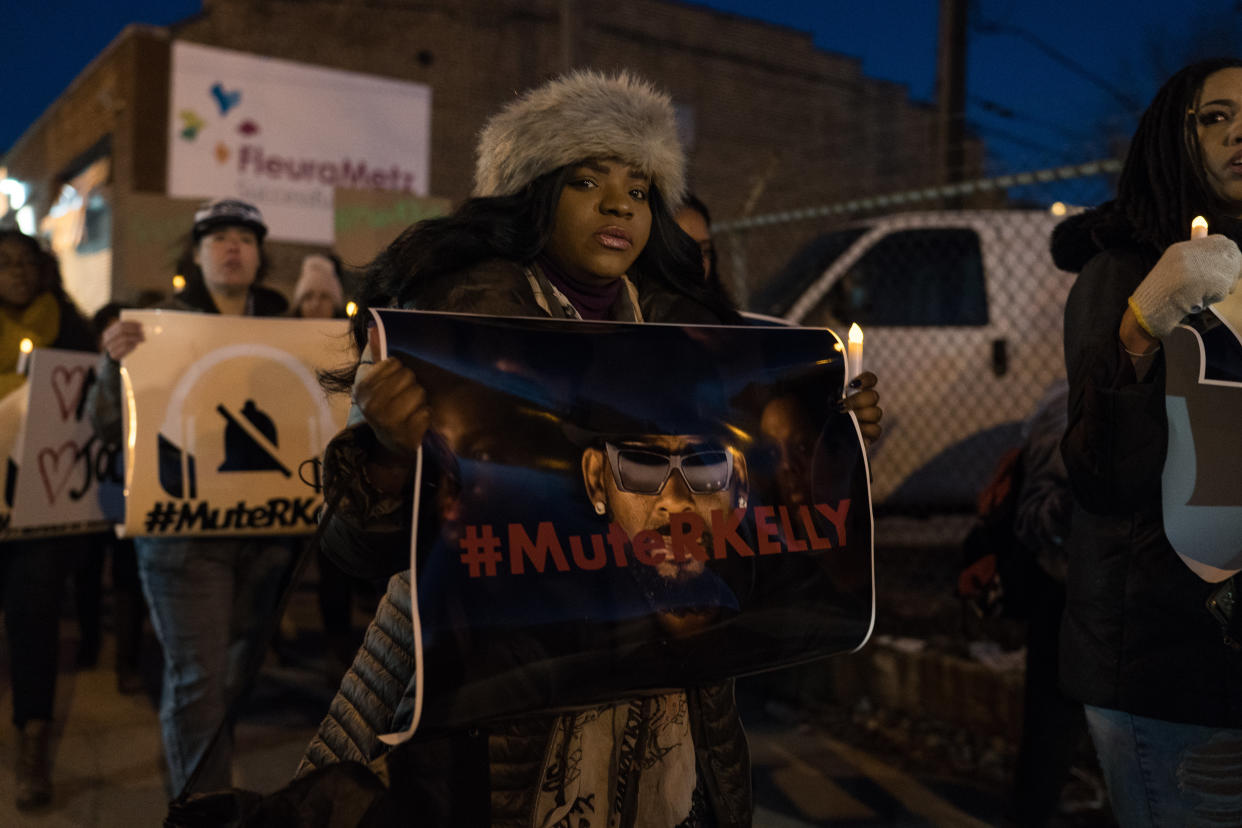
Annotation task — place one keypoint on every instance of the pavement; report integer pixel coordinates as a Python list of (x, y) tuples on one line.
[(810, 769), (108, 769)]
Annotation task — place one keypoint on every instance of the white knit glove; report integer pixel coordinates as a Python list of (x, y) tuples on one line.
[(1189, 276)]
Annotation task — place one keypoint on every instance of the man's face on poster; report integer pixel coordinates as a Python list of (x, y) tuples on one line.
[(643, 481)]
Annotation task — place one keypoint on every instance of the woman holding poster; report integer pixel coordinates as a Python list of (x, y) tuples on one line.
[(575, 185), (34, 307), (1159, 671), (211, 599)]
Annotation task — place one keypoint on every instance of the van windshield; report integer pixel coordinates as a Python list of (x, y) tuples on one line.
[(782, 290)]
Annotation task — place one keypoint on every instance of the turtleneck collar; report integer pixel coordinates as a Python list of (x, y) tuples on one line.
[(591, 301)]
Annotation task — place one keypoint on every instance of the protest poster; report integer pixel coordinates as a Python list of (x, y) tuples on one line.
[(59, 474), (224, 419), (1201, 485), (610, 508), (12, 414)]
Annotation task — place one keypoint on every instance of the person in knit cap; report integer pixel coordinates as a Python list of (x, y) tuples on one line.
[(318, 293), (576, 185), (211, 599)]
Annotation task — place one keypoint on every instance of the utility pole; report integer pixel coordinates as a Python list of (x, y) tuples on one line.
[(951, 92)]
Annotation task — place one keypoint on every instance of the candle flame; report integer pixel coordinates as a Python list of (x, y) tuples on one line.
[(178, 283), (351, 308), (1198, 227), (1058, 208), (855, 334), (25, 346)]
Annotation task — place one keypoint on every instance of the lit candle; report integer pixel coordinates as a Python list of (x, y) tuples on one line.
[(351, 308), (178, 283), (854, 354), (1198, 227), (23, 355)]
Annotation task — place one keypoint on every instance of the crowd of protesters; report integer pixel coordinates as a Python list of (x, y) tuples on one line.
[(581, 211)]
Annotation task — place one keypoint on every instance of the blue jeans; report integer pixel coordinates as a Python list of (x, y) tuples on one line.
[(212, 603), (1168, 774)]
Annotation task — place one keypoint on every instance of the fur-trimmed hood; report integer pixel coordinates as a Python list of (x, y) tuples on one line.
[(580, 115)]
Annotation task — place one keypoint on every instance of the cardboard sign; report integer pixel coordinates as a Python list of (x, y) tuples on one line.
[(1202, 484), (12, 415), (612, 508), (284, 135), (58, 469), (224, 417)]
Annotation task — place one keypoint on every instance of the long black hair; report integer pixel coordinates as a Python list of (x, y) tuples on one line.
[(1164, 184), (517, 227), (714, 282)]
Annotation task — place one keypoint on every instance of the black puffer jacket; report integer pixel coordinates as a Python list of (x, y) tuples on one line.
[(480, 776), (1136, 635), (376, 696)]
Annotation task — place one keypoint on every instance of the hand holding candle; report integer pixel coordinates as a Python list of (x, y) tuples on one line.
[(1189, 276), (854, 354)]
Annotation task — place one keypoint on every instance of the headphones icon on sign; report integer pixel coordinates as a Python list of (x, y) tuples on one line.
[(250, 435)]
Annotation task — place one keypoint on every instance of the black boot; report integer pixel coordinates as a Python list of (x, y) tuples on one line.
[(34, 780)]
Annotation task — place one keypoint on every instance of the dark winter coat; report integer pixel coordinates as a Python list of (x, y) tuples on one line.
[(1137, 635), (481, 775)]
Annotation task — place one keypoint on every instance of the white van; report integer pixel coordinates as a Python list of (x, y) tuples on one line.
[(962, 319)]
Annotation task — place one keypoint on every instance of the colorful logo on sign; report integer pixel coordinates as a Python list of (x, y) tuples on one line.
[(225, 100)]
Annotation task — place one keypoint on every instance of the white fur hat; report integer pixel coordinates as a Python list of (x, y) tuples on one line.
[(584, 114)]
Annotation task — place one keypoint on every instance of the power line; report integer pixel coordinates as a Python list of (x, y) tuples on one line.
[(992, 27), (1002, 111), (1019, 140)]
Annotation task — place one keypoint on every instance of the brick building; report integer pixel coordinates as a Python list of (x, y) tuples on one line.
[(770, 121)]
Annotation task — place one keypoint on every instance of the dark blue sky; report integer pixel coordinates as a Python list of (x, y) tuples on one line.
[(1044, 87)]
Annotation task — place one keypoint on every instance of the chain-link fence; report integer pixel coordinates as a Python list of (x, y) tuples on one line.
[(961, 311)]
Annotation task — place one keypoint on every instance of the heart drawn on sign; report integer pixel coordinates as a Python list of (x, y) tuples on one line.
[(55, 465), (69, 385)]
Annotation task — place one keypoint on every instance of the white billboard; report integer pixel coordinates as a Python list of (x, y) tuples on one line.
[(283, 135)]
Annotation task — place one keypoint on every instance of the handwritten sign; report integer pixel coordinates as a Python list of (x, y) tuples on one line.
[(58, 466), (225, 420)]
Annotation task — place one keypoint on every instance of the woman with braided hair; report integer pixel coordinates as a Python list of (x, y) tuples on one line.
[(1161, 685)]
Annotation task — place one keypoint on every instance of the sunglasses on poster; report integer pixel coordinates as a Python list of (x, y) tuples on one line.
[(645, 470)]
